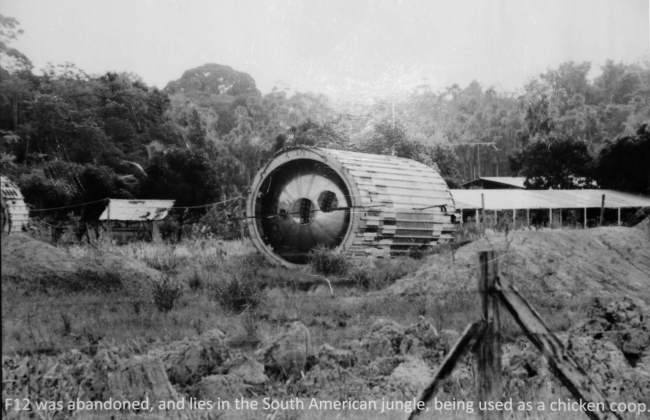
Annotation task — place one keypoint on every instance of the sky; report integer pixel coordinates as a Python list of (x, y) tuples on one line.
[(336, 47)]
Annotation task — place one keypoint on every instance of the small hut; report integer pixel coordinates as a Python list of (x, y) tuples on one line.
[(15, 214), (135, 220)]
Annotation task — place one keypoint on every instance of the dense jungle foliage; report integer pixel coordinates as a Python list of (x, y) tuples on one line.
[(69, 137)]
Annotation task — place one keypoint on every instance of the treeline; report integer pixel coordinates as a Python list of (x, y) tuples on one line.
[(69, 137)]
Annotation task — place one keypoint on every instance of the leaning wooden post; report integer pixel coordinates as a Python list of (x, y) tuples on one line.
[(488, 349), (602, 211), (585, 217), (467, 341), (619, 216), (560, 360)]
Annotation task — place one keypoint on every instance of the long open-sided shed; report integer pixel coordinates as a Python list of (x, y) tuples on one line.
[(547, 199)]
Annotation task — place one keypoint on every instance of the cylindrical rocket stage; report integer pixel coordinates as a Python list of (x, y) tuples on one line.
[(355, 203)]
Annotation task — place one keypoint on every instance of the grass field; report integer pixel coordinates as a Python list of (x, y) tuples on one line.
[(208, 283)]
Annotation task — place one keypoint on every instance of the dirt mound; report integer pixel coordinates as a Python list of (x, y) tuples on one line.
[(25, 258), (609, 261)]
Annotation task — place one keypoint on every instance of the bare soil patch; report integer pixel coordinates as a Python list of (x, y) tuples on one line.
[(608, 261)]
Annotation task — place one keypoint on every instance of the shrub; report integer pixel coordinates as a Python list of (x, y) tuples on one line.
[(165, 261), (169, 230), (218, 222), (195, 283), (361, 276), (418, 252), (327, 262), (165, 293), (239, 293)]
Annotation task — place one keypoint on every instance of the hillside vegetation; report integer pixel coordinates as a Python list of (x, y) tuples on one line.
[(69, 137)]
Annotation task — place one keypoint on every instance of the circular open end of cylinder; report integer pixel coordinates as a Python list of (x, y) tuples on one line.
[(300, 205)]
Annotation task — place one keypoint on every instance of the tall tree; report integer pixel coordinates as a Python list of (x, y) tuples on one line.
[(10, 58), (624, 163)]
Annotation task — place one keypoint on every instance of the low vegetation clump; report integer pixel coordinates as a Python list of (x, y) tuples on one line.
[(238, 294), (328, 262), (165, 293), (380, 274), (93, 281), (238, 286), (167, 262)]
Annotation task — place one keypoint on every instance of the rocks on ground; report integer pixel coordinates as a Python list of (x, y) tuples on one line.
[(410, 376), (626, 323), (285, 354), (250, 371), (610, 346), (187, 361), (215, 387), (387, 338)]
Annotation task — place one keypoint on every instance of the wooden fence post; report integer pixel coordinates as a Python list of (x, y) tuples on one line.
[(488, 349), (108, 221), (483, 210), (602, 211)]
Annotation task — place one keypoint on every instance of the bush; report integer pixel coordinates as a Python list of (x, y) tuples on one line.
[(169, 230), (218, 223), (165, 293), (239, 293), (165, 261), (327, 262), (195, 283)]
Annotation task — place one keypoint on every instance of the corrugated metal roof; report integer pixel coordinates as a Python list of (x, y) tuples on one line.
[(394, 181), (137, 210), (546, 199)]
